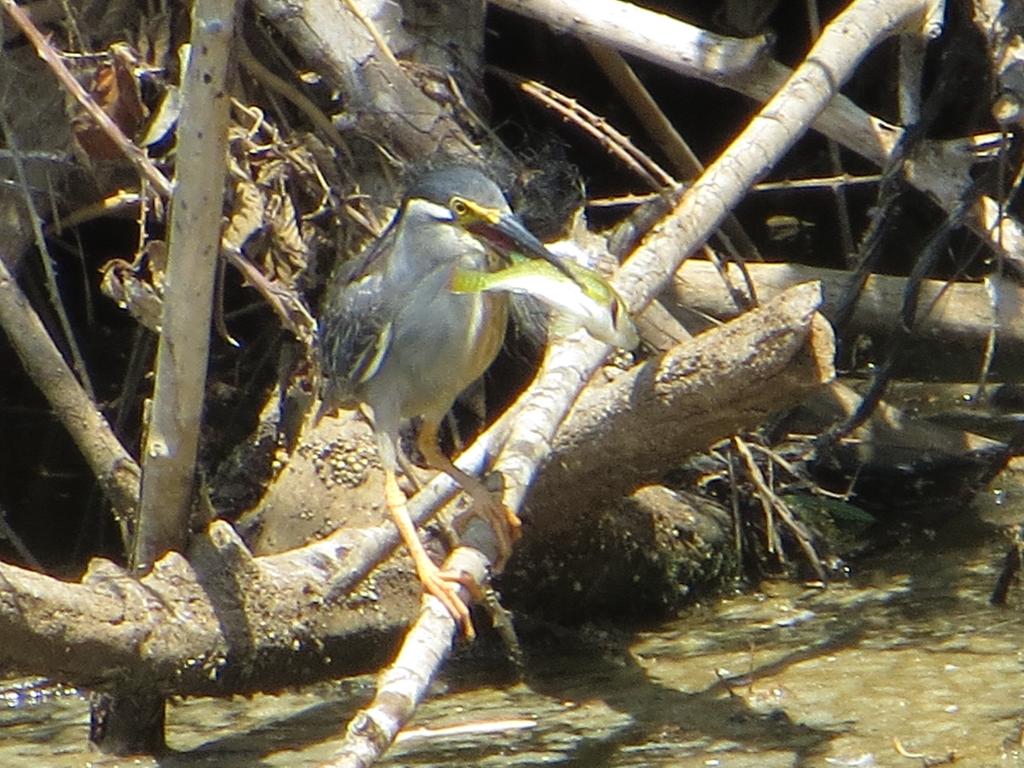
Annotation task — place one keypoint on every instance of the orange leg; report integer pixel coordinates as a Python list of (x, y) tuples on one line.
[(506, 524), (436, 582)]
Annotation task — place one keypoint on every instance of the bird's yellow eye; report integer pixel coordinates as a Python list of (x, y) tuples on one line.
[(459, 207)]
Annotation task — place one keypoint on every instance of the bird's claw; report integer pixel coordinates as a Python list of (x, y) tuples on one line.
[(505, 523), (444, 586)]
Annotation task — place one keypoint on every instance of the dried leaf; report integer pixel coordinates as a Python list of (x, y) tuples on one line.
[(247, 213), (138, 286), (115, 88)]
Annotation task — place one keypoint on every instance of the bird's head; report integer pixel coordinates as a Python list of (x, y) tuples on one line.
[(464, 198)]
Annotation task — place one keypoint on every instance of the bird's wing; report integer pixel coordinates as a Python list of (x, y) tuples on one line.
[(355, 324)]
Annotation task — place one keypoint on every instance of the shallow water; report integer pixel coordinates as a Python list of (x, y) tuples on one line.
[(907, 656)]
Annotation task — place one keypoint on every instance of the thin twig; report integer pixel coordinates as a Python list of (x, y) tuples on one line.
[(838, 181), (77, 361), (765, 496), (378, 38), (734, 503), (11, 535), (299, 100), (618, 144), (821, 182), (646, 109), (771, 502), (114, 468)]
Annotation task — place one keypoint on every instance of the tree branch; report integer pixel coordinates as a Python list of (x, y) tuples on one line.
[(952, 323), (634, 428), (172, 438), (940, 169)]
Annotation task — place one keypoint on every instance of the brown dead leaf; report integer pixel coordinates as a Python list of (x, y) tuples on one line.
[(115, 88)]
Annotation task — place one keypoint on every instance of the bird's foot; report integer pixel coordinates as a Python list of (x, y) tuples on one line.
[(505, 523), (444, 586)]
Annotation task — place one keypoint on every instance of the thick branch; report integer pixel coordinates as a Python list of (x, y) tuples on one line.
[(172, 439), (656, 37), (637, 426), (255, 623), (382, 102), (220, 622)]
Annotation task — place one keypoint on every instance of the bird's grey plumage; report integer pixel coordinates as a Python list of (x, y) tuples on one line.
[(392, 331)]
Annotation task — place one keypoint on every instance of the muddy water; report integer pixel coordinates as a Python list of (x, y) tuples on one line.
[(904, 664)]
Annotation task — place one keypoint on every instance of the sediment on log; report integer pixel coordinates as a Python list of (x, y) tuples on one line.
[(645, 555)]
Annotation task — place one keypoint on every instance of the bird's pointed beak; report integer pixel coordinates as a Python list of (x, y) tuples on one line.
[(507, 234)]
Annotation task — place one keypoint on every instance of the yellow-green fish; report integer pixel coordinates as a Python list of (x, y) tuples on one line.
[(582, 300)]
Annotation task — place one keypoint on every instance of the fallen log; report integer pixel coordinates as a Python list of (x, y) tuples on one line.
[(640, 424), (951, 327)]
